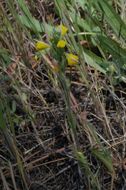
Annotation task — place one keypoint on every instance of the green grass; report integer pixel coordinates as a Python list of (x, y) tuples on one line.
[(96, 34)]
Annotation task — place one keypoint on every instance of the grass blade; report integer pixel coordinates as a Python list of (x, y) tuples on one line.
[(112, 18)]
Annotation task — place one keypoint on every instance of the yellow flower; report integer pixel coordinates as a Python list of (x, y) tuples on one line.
[(63, 29), (61, 44), (72, 59), (41, 45)]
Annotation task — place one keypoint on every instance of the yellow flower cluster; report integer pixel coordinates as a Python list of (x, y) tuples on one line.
[(63, 30), (71, 58)]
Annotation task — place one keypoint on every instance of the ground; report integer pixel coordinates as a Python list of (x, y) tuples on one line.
[(46, 144)]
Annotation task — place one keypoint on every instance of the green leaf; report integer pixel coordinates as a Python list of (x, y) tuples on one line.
[(2, 119), (32, 24), (29, 21), (101, 153), (114, 20), (86, 24), (14, 106), (35, 25), (112, 47), (104, 156), (5, 57), (96, 62), (86, 167)]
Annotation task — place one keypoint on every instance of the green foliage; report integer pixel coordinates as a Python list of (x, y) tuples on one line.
[(5, 57), (89, 174), (99, 19), (104, 156), (112, 18), (29, 21)]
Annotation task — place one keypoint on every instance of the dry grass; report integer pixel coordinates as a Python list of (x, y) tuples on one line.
[(62, 130)]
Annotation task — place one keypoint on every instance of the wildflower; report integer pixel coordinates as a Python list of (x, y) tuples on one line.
[(72, 59), (63, 29), (61, 44), (41, 45)]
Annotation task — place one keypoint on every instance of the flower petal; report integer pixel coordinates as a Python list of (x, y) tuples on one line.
[(72, 59), (63, 29), (41, 45), (61, 44)]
